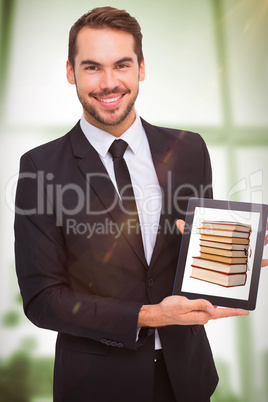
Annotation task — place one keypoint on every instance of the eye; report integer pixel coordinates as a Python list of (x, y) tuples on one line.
[(92, 68), (122, 66)]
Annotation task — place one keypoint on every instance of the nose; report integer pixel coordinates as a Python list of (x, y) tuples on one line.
[(108, 80)]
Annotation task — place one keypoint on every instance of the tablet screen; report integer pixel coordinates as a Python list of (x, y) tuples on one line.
[(221, 252)]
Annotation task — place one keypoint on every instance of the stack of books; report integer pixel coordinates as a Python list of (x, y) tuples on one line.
[(223, 253)]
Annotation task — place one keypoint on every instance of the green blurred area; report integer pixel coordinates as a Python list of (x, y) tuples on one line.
[(24, 378)]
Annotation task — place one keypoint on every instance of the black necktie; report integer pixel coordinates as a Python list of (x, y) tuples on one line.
[(123, 180), (125, 189)]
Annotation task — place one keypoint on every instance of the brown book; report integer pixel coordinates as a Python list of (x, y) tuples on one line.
[(225, 233), (219, 266), (226, 253), (220, 258), (226, 226), (222, 239), (219, 278), (224, 246)]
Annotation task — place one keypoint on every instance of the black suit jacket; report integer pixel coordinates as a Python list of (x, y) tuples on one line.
[(82, 278)]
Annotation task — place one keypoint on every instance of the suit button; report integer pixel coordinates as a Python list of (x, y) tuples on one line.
[(150, 332), (150, 282)]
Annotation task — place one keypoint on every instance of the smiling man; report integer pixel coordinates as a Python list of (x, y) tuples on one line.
[(106, 73), (122, 337)]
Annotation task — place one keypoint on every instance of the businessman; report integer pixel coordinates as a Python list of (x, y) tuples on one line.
[(96, 241)]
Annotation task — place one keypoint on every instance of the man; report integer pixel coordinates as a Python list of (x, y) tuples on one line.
[(94, 265)]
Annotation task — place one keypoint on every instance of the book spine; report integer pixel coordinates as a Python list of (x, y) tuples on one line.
[(219, 284), (221, 272)]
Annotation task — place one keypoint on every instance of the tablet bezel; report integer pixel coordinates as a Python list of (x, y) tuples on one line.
[(262, 209)]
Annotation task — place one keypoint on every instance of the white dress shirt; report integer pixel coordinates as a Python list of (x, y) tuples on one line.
[(145, 183)]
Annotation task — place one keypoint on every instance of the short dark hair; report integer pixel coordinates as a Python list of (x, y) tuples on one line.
[(106, 18)]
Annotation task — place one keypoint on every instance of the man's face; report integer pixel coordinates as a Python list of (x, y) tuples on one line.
[(106, 75)]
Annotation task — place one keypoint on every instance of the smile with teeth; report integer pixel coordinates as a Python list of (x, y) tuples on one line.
[(110, 100)]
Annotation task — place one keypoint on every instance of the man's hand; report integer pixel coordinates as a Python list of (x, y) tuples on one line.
[(178, 310)]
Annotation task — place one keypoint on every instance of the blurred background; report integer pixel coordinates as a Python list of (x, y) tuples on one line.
[(206, 71)]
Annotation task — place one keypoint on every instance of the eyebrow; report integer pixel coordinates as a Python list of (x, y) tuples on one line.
[(96, 63)]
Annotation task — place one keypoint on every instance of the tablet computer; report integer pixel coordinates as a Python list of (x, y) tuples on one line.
[(221, 252)]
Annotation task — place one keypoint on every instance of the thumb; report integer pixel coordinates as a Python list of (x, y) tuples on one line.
[(180, 225), (202, 305)]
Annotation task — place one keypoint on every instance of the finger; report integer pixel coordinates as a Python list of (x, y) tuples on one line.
[(264, 263), (180, 225), (266, 237), (229, 312)]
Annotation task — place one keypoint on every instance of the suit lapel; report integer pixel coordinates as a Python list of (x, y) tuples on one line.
[(95, 173), (162, 154)]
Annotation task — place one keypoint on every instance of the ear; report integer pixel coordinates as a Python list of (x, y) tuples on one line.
[(142, 71), (70, 73)]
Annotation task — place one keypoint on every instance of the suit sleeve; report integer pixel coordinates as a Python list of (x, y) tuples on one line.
[(40, 253)]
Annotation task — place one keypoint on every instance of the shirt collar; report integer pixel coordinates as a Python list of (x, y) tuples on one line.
[(101, 140)]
